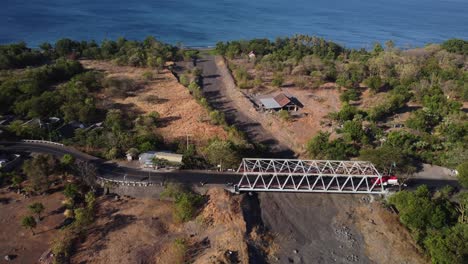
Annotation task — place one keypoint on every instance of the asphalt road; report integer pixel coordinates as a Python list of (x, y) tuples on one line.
[(113, 171), (433, 176)]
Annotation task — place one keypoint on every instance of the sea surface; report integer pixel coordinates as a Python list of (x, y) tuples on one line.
[(201, 23)]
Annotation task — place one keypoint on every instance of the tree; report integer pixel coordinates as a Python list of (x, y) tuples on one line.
[(37, 208), (462, 170), (38, 170), (71, 191), (29, 222), (388, 158), (316, 147), (353, 131), (449, 245), (88, 173), (462, 207), (221, 152)]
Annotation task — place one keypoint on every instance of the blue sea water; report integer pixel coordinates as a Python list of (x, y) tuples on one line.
[(353, 23)]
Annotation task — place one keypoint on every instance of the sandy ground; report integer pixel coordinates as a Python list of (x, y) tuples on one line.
[(131, 230), (328, 228), (180, 113), (19, 242)]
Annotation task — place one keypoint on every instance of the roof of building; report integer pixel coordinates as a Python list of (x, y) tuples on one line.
[(269, 103), (148, 157), (278, 101), (282, 99)]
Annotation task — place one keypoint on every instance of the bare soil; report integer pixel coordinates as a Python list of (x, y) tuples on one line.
[(304, 124), (386, 240), (180, 114), (131, 230), (334, 228), (20, 242)]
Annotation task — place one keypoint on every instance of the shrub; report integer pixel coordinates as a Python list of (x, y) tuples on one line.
[(278, 79), (149, 76), (217, 118), (186, 201), (462, 170), (284, 115)]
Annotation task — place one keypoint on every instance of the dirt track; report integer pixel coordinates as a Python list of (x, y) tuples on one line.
[(221, 92)]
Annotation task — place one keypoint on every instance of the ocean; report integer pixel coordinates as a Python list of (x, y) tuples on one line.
[(202, 23)]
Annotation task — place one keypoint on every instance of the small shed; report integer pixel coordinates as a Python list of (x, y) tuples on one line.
[(278, 102), (146, 159)]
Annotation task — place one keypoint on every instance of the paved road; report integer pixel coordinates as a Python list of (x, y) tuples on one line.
[(113, 171), (219, 89), (433, 176)]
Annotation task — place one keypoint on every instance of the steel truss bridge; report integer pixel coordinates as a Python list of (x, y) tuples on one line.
[(294, 175)]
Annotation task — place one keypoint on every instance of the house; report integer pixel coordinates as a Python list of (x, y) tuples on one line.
[(252, 55), (279, 102), (147, 159)]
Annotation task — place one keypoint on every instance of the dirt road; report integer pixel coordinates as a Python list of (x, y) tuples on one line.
[(222, 93)]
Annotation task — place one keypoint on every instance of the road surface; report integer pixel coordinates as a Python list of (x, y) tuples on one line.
[(113, 171), (433, 176), (220, 90)]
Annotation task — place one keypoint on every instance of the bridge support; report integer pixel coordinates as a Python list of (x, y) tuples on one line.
[(292, 175)]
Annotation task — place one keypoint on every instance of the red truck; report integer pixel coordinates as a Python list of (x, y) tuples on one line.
[(386, 180)]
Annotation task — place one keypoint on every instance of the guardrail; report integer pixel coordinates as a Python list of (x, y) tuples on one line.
[(42, 142), (125, 183)]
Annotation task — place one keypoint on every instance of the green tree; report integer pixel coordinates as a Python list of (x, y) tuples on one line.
[(37, 208), (462, 170), (353, 131), (29, 222), (71, 191), (374, 83), (388, 158), (449, 245), (317, 146), (221, 152)]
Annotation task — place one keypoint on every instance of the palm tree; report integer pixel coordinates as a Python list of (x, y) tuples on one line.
[(37, 208), (29, 222)]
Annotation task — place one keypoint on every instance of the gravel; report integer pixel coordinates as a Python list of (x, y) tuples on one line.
[(313, 228)]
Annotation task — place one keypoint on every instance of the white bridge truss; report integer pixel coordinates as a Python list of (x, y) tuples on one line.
[(293, 175)]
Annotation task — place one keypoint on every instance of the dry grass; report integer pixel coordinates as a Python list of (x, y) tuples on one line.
[(180, 113), (144, 231)]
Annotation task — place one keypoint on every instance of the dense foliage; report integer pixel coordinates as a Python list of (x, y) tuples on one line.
[(437, 223)]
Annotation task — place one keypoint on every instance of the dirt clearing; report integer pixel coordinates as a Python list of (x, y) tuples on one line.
[(20, 242), (304, 124), (334, 228), (180, 114), (130, 230)]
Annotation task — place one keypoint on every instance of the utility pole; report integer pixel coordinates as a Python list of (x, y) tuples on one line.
[(188, 140)]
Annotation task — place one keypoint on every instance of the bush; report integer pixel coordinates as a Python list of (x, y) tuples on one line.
[(186, 202), (459, 46), (217, 118), (462, 170), (278, 79), (284, 115), (320, 147), (149, 76)]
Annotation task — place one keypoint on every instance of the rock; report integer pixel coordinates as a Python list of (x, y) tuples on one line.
[(7, 258), (295, 251)]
